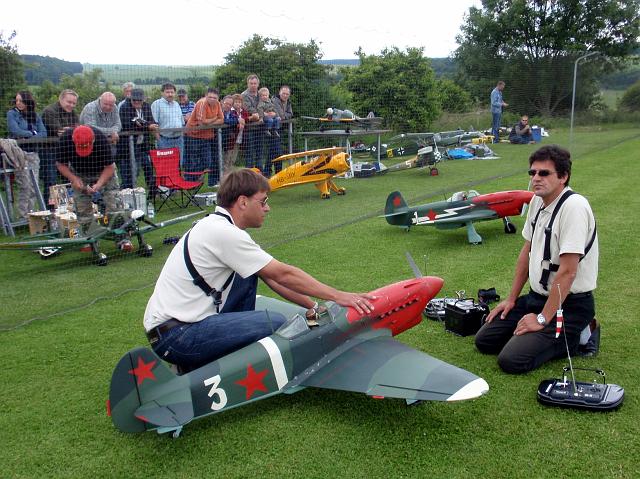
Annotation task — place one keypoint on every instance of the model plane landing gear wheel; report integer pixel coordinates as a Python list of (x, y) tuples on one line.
[(101, 259), (509, 227), (146, 250), (341, 191), (434, 172), (325, 196), (46, 253)]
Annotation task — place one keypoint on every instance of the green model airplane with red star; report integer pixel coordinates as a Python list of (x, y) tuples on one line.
[(343, 350), (460, 210)]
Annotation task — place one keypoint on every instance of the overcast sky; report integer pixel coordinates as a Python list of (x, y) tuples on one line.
[(202, 32)]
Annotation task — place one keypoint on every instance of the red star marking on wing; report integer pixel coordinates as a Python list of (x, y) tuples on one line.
[(431, 215), (253, 381), (143, 371), (396, 201)]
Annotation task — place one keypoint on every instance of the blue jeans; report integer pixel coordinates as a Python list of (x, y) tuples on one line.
[(195, 344), (142, 161), (214, 165), (197, 157), (254, 136), (164, 142), (274, 145), (271, 123), (48, 171), (520, 139), (496, 118)]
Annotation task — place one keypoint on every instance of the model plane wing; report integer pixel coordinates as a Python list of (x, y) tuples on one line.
[(385, 367), (301, 154), (51, 242)]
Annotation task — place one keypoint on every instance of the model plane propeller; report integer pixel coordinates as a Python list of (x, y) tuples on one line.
[(314, 166), (346, 351), (115, 227), (460, 210)]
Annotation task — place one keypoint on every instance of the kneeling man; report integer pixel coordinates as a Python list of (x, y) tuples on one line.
[(559, 258)]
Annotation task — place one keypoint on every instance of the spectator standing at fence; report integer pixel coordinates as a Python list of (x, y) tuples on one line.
[(271, 120), (84, 158), (57, 117), (253, 134), (168, 114), (103, 115), (229, 147), (136, 117), (243, 118), (186, 105), (497, 104), (200, 144), (127, 88), (285, 112), (24, 123)]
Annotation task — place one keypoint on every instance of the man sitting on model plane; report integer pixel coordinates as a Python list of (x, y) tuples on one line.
[(203, 304)]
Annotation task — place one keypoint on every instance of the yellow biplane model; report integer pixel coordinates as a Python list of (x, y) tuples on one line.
[(315, 166)]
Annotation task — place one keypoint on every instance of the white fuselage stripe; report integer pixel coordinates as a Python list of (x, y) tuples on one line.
[(276, 361)]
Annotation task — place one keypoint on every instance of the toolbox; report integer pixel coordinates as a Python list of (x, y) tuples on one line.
[(206, 199)]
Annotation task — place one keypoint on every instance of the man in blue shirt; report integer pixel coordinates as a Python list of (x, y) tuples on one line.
[(496, 110), (167, 113), (186, 105)]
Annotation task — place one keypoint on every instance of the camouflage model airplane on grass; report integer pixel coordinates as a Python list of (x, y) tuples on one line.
[(314, 166), (344, 350), (461, 209), (117, 226)]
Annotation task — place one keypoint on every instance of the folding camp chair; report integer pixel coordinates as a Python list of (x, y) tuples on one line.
[(166, 163)]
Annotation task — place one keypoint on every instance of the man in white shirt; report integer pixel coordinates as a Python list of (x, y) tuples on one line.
[(561, 264), (189, 328)]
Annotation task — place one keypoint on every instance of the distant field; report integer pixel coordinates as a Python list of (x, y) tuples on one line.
[(116, 73)]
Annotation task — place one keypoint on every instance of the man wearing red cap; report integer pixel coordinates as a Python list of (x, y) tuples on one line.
[(85, 159)]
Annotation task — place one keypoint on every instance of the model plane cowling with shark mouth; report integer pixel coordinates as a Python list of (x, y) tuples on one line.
[(346, 351), (460, 210)]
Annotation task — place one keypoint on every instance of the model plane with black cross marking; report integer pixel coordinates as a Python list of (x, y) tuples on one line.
[(343, 350), (462, 209), (346, 120)]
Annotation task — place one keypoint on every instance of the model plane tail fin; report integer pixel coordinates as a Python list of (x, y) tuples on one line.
[(395, 210), (146, 394)]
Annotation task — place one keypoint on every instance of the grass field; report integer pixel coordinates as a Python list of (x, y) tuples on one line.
[(113, 73), (59, 355)]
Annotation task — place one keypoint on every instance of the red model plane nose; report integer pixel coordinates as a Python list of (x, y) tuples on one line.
[(525, 196), (399, 306)]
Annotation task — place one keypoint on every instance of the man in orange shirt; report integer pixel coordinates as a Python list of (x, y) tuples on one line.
[(200, 144)]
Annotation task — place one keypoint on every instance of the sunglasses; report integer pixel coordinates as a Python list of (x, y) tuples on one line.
[(542, 173)]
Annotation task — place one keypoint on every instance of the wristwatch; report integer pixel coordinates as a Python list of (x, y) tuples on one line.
[(541, 319)]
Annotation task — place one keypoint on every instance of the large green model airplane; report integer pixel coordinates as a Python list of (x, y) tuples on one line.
[(345, 350), (118, 226), (462, 209)]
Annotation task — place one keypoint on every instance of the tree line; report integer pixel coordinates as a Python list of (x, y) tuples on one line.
[(531, 45)]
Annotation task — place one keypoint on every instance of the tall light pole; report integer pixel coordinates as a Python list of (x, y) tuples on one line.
[(573, 97)]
